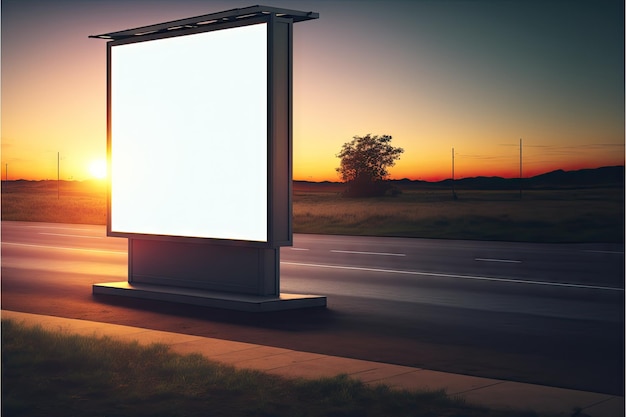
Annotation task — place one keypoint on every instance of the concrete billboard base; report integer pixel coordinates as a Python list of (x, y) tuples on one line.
[(214, 299)]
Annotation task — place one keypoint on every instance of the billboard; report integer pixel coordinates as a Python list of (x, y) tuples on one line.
[(190, 135), (199, 146)]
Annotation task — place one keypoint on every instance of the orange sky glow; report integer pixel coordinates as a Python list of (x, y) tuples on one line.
[(476, 76)]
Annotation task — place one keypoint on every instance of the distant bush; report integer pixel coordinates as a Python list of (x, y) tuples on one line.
[(364, 164)]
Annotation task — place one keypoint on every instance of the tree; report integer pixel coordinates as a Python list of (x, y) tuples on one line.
[(364, 164)]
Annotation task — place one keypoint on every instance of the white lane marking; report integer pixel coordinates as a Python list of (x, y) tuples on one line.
[(369, 253), (64, 248), (298, 249), (469, 277), (61, 234), (605, 251), (509, 261)]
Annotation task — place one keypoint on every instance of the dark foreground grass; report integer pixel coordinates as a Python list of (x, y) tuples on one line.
[(58, 374)]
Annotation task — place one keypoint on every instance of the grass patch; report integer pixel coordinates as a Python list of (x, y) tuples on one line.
[(59, 374), (540, 216), (559, 215), (46, 201)]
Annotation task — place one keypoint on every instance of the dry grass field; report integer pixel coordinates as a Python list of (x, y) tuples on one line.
[(46, 201), (561, 215), (592, 215)]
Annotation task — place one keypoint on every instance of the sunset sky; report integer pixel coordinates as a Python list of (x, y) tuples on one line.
[(471, 75)]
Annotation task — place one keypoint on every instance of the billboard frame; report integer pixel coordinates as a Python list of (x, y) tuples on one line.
[(279, 130)]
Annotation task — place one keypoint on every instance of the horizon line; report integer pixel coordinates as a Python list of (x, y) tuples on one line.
[(104, 180)]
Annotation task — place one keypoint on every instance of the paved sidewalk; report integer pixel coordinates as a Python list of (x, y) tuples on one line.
[(289, 363)]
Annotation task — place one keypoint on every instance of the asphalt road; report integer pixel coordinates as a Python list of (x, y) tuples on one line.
[(549, 314)]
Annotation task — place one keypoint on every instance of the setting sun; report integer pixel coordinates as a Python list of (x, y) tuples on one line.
[(98, 169)]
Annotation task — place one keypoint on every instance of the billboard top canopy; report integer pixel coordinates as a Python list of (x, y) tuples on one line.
[(210, 19)]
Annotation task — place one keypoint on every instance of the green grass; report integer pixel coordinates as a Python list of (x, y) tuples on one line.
[(59, 374), (561, 215)]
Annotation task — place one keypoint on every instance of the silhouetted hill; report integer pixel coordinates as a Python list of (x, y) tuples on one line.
[(584, 178), (483, 183), (612, 176), (605, 176)]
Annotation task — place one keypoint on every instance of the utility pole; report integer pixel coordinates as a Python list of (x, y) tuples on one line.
[(453, 190), (58, 175), (6, 172), (520, 168)]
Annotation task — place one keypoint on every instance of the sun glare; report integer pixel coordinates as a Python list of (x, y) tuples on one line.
[(98, 169)]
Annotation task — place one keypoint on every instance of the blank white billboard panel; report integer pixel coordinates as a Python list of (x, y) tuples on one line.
[(189, 135)]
